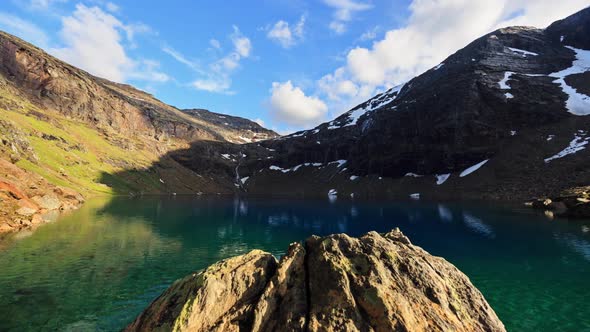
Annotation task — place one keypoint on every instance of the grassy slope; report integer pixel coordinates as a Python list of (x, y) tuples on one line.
[(81, 157)]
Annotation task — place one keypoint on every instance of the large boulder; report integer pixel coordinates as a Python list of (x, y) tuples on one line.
[(378, 282)]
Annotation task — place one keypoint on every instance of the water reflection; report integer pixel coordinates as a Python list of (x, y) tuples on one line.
[(477, 225), (100, 266), (444, 213)]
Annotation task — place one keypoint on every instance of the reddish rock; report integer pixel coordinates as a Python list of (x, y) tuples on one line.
[(12, 190)]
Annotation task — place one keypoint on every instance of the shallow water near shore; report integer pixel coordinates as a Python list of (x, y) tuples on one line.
[(97, 268)]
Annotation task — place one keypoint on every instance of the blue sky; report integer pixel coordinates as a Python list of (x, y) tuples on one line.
[(287, 64)]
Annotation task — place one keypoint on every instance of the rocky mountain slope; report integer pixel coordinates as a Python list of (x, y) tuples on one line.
[(335, 283), (65, 128), (249, 131), (506, 117)]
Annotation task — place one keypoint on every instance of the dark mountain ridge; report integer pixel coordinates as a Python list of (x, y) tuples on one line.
[(249, 130), (514, 97)]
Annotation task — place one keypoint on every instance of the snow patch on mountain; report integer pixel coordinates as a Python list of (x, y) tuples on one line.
[(504, 82), (522, 52), (577, 144), (355, 114), (473, 168), (577, 103), (294, 168), (413, 175), (440, 179), (340, 162)]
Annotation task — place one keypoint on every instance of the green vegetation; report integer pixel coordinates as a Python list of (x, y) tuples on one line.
[(72, 154)]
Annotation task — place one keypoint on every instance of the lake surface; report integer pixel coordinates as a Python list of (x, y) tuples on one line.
[(97, 268)]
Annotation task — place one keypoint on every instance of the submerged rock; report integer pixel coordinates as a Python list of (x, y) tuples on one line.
[(378, 282)]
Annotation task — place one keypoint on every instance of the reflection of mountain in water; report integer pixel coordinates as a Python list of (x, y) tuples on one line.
[(111, 259)]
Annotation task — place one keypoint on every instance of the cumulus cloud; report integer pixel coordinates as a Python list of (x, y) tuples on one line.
[(95, 41), (434, 30), (344, 11), (242, 44), (24, 29), (290, 105), (285, 35)]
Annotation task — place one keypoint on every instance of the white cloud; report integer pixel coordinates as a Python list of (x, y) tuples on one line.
[(242, 44), (182, 59), (112, 7), (369, 34), (217, 76), (290, 105), (434, 30), (214, 84), (148, 70), (94, 41), (285, 35), (43, 4), (337, 27), (23, 29), (345, 9), (215, 44)]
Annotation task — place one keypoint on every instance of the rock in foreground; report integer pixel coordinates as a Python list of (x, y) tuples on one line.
[(378, 282)]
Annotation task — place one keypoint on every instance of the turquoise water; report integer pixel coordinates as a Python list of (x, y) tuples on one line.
[(96, 269)]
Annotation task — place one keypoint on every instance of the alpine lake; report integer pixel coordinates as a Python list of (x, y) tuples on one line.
[(97, 268)]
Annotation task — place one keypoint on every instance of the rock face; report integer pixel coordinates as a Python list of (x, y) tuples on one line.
[(55, 85), (378, 282)]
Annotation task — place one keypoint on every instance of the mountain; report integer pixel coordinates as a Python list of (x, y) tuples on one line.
[(249, 131), (513, 104), (506, 117), (63, 129)]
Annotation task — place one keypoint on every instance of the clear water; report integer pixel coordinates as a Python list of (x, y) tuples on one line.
[(96, 269)]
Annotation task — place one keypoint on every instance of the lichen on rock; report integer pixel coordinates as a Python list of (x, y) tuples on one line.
[(377, 282)]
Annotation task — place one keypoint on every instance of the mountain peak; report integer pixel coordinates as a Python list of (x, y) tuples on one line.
[(572, 30)]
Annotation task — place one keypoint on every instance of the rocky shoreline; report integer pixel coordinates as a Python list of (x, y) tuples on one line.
[(377, 282), (27, 200), (573, 204)]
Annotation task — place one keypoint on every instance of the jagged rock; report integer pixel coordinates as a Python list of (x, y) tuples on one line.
[(220, 298), (378, 282)]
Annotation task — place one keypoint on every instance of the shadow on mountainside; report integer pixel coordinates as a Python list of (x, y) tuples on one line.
[(517, 171)]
